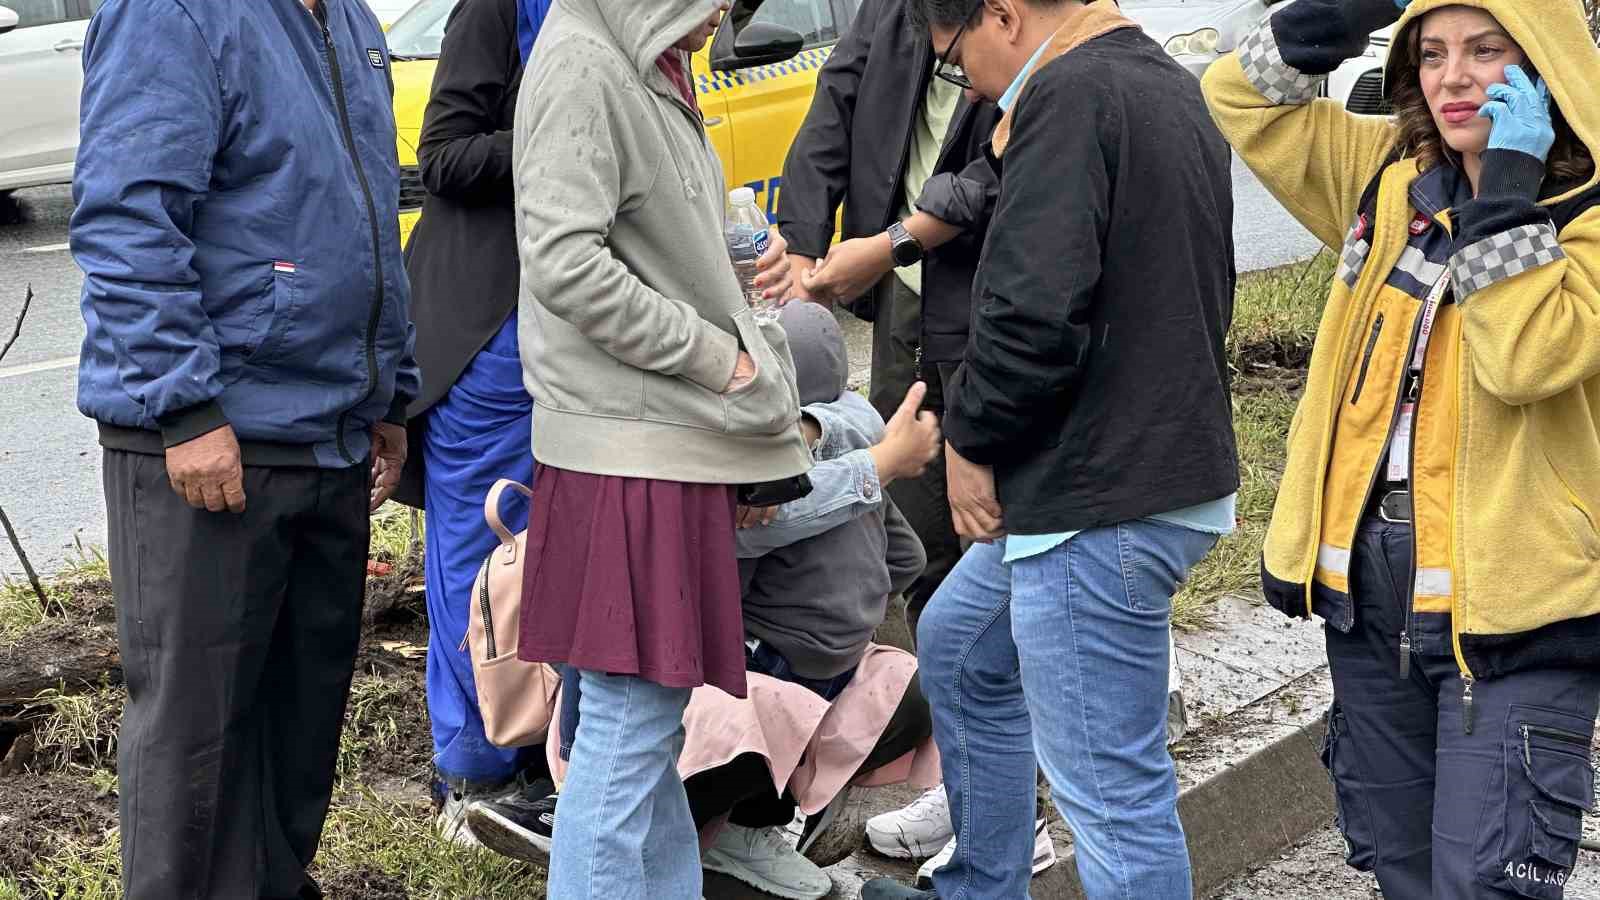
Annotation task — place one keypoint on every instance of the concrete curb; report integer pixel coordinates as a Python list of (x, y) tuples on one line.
[(1241, 817)]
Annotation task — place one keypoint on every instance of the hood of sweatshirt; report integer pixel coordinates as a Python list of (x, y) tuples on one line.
[(1556, 38)]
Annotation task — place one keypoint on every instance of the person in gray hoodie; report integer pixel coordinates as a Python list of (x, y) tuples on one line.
[(657, 394)]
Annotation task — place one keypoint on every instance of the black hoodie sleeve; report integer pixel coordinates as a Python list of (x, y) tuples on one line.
[(465, 151), (1041, 270), (817, 171)]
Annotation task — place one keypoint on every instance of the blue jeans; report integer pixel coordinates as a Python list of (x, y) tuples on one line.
[(1060, 657), (478, 433), (624, 831)]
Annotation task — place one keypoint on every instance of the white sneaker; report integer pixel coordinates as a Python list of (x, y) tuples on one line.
[(916, 832), (1044, 856), (761, 858), (452, 822)]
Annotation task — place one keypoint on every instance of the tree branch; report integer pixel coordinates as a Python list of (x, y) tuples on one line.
[(5, 522), (16, 331)]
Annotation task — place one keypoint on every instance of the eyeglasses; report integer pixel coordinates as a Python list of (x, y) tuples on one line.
[(943, 70)]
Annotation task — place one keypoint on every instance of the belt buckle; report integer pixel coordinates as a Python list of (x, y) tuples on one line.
[(1403, 497)]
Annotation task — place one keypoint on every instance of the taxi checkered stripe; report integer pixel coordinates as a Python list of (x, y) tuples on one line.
[(805, 61)]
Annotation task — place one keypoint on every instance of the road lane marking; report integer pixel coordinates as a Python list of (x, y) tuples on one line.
[(48, 248), (63, 362)]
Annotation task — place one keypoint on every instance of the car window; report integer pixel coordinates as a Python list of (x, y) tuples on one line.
[(812, 18), (42, 12), (420, 32)]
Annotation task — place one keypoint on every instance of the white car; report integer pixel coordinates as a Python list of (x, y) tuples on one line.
[(41, 67), (1197, 32)]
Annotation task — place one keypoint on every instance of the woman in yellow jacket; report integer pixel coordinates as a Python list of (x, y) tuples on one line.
[(1440, 505)]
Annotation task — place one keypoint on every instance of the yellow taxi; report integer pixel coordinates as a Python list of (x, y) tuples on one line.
[(754, 78)]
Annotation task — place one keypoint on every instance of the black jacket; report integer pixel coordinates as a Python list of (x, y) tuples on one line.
[(462, 258), (855, 144), (1096, 382)]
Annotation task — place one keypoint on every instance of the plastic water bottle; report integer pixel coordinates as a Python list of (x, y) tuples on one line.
[(747, 242)]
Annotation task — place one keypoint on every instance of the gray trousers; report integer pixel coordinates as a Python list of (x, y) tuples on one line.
[(238, 636)]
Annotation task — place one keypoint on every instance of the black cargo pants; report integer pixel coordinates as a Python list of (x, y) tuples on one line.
[(1435, 811), (238, 636)]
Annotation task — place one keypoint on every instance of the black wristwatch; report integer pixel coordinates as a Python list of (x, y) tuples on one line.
[(904, 248)]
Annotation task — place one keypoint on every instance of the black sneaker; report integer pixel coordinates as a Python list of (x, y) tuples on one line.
[(519, 826)]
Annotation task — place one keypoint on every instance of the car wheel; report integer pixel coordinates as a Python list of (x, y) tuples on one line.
[(10, 209)]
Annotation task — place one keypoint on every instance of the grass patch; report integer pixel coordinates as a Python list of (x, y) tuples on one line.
[(393, 536), (369, 841), (80, 729), (1276, 313), (371, 729), (1261, 426), (65, 593), (79, 869)]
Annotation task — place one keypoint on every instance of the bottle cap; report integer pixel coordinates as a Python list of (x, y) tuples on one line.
[(741, 195)]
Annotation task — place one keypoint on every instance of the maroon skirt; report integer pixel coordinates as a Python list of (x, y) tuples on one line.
[(633, 576)]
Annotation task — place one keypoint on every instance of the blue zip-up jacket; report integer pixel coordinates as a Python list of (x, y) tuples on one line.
[(237, 194)]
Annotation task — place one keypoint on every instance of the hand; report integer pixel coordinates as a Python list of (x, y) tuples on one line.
[(750, 516), (973, 504), (911, 440), (744, 372), (850, 269), (207, 471), (388, 459), (774, 273), (1520, 111), (799, 268)]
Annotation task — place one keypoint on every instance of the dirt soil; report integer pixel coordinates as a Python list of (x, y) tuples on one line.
[(41, 811)]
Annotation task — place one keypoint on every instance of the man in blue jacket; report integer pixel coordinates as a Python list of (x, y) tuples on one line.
[(248, 359)]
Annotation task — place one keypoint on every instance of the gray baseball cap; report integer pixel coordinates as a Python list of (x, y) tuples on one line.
[(821, 365)]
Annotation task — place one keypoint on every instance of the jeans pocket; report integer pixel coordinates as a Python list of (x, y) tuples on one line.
[(1355, 822), (1549, 786), (1156, 559)]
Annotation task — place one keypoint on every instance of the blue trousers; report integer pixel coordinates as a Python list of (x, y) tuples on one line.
[(480, 432), (1060, 657)]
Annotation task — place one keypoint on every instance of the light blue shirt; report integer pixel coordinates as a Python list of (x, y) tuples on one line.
[(1010, 96), (1216, 517)]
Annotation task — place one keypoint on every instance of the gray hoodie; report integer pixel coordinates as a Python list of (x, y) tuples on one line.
[(631, 317)]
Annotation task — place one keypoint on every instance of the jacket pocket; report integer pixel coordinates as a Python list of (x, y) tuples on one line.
[(1549, 785), (1366, 359), (285, 297), (1574, 514), (1355, 824), (770, 403)]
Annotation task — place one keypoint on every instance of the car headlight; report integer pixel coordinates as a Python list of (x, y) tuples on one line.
[(1195, 43)]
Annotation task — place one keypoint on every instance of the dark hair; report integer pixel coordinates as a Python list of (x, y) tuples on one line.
[(956, 13), (1419, 136)]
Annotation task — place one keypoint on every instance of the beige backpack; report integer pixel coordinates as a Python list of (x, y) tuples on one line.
[(515, 698)]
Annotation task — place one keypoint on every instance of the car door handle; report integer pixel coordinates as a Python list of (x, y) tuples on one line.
[(713, 121), (68, 46)]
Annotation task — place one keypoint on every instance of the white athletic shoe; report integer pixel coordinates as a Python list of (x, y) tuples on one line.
[(1044, 856), (916, 832), (452, 821), (761, 858)]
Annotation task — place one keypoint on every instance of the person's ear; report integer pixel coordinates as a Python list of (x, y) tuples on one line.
[(1008, 17)]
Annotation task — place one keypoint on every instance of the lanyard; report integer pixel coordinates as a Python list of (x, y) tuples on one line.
[(1399, 468), (1430, 312)]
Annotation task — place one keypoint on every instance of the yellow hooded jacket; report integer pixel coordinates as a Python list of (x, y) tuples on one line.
[(1505, 470)]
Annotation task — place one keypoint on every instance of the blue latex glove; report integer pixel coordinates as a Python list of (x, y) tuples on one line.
[(1520, 111)]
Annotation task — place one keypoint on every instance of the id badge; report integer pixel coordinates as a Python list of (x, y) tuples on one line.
[(1400, 444)]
